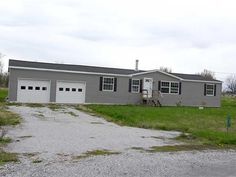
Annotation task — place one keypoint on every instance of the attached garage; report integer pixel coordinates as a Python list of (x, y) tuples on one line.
[(70, 92), (33, 91)]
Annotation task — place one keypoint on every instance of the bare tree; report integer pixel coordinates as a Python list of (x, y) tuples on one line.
[(165, 69), (4, 77), (231, 84), (1, 62), (207, 74), (1, 69)]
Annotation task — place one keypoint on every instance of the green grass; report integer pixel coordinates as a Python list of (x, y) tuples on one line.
[(7, 157), (6, 118), (206, 126), (87, 154), (34, 105), (55, 107), (3, 94), (184, 147), (4, 140)]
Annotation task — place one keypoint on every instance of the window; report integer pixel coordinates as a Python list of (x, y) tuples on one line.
[(80, 90), (174, 88), (44, 88), (30, 88), (61, 89), (108, 84), (209, 89), (37, 88), (165, 87), (67, 89), (22, 87), (170, 87), (135, 88), (73, 89)]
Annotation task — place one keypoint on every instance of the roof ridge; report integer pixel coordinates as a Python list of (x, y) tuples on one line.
[(185, 74), (70, 64)]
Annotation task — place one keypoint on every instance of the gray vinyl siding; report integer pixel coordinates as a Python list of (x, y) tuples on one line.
[(192, 93), (93, 95)]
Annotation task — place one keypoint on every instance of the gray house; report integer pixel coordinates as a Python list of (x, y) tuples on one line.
[(38, 82)]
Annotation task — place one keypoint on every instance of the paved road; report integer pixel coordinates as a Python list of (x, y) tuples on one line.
[(55, 139)]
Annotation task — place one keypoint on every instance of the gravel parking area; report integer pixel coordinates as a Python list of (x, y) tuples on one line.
[(51, 143)]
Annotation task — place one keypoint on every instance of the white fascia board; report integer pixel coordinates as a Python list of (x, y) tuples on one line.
[(203, 81), (67, 71), (156, 70)]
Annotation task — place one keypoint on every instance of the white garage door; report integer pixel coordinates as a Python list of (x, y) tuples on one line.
[(33, 91), (70, 92)]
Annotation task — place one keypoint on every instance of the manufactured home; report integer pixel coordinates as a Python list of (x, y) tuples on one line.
[(39, 82)]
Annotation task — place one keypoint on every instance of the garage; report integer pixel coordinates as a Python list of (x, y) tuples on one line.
[(33, 91), (70, 92)]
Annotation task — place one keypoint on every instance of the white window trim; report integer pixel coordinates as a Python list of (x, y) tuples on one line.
[(213, 89), (170, 87), (112, 84), (178, 88), (132, 91), (165, 87)]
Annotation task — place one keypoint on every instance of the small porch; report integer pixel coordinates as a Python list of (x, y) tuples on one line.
[(151, 99)]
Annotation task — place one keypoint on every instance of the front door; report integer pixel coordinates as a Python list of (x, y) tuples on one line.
[(147, 86)]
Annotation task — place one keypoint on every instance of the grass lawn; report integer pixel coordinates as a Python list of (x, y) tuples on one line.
[(6, 118), (207, 126), (3, 94), (7, 157)]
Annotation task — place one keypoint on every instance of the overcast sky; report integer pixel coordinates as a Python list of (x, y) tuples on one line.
[(184, 35)]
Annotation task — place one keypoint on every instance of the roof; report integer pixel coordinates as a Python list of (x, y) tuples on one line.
[(69, 67), (193, 77), (102, 70)]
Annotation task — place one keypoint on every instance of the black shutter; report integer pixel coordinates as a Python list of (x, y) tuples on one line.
[(100, 84), (141, 85), (115, 84), (159, 85), (205, 88), (130, 82), (180, 88), (215, 90)]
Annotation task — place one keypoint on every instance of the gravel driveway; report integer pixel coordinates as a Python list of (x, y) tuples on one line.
[(50, 143)]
